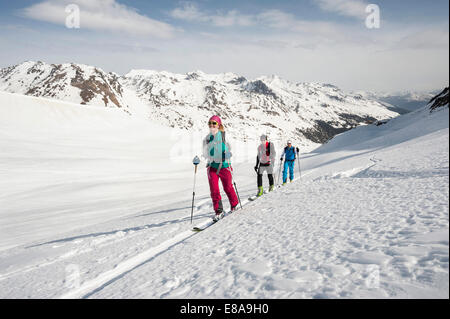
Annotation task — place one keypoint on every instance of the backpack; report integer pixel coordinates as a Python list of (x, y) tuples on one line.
[(226, 146), (286, 152), (266, 159)]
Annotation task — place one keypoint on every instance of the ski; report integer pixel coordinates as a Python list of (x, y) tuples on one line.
[(210, 223), (199, 229), (253, 198)]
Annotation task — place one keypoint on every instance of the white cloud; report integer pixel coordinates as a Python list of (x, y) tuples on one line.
[(351, 8), (190, 12), (105, 15), (425, 39), (274, 19), (277, 19), (281, 20)]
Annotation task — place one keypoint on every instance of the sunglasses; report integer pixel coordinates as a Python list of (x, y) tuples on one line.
[(214, 123)]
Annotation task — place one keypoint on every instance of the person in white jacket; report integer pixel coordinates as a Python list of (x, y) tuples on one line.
[(264, 163)]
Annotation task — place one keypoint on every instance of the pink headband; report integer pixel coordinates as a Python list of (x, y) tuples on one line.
[(216, 118)]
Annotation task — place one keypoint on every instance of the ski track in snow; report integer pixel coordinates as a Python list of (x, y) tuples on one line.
[(333, 257), (367, 219)]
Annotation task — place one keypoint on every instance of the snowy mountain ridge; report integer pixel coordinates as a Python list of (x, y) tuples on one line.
[(310, 113)]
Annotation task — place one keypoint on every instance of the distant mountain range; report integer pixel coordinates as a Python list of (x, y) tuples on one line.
[(402, 102), (307, 112)]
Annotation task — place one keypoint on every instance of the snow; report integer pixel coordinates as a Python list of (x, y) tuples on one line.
[(96, 204)]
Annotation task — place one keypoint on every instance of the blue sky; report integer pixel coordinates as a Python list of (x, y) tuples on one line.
[(310, 40)]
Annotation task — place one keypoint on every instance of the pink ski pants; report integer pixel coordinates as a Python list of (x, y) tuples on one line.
[(227, 183)]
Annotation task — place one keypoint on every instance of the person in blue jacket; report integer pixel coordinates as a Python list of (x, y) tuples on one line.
[(290, 155)]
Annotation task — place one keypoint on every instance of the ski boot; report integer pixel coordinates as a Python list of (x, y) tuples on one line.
[(219, 215), (260, 192), (271, 188)]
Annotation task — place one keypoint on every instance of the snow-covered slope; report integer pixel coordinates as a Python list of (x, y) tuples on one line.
[(53, 154), (93, 205), (309, 113)]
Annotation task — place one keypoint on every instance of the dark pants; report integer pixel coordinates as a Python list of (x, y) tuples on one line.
[(260, 182)]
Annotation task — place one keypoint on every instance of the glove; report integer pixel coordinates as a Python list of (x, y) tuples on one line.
[(256, 169), (297, 149), (281, 159)]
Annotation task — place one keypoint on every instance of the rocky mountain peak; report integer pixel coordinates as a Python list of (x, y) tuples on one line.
[(440, 100), (76, 83)]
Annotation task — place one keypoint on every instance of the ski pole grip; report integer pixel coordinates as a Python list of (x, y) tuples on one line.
[(196, 161)]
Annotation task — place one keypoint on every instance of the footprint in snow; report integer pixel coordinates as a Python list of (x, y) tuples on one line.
[(171, 283), (369, 258), (336, 270), (257, 267), (295, 281)]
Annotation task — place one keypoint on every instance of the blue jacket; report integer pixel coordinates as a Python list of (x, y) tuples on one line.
[(289, 152)]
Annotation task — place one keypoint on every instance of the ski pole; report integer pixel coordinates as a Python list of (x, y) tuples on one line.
[(237, 193), (234, 183), (298, 157), (257, 168), (279, 171), (196, 161)]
